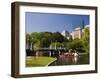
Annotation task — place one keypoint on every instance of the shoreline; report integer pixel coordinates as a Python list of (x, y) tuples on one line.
[(51, 62)]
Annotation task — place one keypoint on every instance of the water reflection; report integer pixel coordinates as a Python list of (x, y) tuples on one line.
[(75, 60), (71, 60)]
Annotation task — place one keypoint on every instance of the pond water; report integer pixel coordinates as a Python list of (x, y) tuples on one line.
[(64, 60)]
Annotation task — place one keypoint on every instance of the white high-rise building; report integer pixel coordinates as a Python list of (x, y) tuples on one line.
[(66, 34), (77, 32)]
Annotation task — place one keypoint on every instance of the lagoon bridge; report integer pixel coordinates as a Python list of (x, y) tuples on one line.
[(50, 51)]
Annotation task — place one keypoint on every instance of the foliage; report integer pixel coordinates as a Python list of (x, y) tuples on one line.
[(44, 39), (27, 37), (57, 45), (36, 45), (75, 44), (47, 39), (80, 44), (86, 39), (57, 37)]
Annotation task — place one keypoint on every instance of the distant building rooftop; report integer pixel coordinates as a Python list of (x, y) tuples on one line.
[(65, 33), (78, 28)]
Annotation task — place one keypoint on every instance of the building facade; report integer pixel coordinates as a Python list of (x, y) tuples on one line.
[(66, 34), (77, 32)]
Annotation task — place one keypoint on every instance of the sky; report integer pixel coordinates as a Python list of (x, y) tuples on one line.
[(46, 22)]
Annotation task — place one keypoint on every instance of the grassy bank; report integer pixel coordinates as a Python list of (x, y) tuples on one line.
[(32, 61)]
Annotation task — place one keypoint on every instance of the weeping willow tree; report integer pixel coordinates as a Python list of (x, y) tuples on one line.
[(57, 45)]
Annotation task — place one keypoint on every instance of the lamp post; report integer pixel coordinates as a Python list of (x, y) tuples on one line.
[(32, 44), (29, 42), (51, 45), (50, 48), (55, 45)]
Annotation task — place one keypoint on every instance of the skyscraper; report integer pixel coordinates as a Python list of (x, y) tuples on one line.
[(66, 34)]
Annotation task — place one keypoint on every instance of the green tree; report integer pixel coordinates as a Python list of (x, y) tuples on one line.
[(37, 45), (42, 38), (27, 38), (57, 45), (86, 39), (45, 39), (75, 44), (58, 37)]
